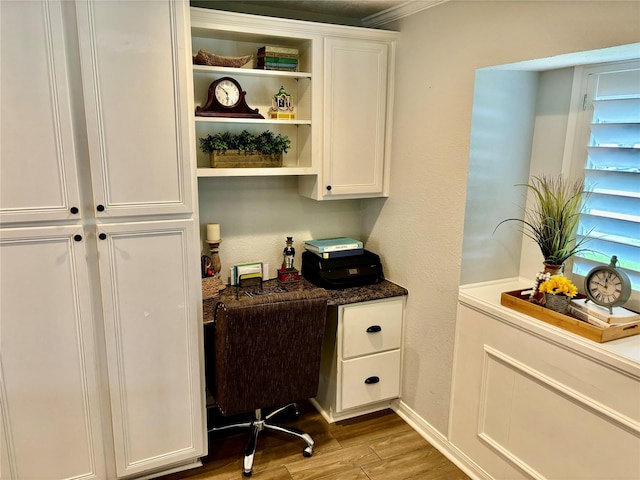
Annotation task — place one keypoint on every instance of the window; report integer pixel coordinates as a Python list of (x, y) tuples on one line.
[(607, 152)]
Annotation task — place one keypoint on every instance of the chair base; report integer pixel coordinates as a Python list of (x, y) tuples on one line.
[(258, 424)]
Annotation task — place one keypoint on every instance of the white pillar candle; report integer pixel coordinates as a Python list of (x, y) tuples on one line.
[(213, 232)]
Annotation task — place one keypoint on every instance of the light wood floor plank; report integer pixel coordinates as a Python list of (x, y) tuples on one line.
[(331, 463)]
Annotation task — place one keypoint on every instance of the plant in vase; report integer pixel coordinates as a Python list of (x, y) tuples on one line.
[(552, 220), (558, 292), (245, 149)]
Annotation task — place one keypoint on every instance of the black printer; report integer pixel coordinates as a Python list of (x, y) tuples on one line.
[(342, 272)]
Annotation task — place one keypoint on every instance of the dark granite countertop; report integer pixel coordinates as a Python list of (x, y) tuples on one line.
[(378, 291)]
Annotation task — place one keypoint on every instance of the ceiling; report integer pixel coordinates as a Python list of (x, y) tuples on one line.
[(361, 13)]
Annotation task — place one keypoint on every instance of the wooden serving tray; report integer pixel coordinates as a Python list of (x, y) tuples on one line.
[(516, 301)]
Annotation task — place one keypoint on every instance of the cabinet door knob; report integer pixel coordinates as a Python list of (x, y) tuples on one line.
[(328, 188), (74, 210), (77, 238), (374, 329), (100, 208), (372, 380), (102, 236)]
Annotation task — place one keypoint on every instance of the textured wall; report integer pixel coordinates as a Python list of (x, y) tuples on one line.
[(419, 228)]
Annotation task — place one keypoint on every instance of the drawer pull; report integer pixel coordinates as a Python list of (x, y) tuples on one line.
[(372, 380), (374, 329)]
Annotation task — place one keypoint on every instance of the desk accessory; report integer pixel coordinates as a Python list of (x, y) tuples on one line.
[(324, 245), (211, 266), (288, 273)]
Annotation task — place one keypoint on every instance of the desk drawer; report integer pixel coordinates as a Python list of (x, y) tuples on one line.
[(370, 379), (371, 327)]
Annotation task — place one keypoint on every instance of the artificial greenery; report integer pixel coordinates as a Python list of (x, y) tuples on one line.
[(553, 220), (266, 142), (559, 285)]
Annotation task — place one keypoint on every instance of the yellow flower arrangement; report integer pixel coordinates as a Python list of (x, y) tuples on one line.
[(559, 285)]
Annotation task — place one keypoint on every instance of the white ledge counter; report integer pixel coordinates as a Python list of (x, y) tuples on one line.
[(531, 400)]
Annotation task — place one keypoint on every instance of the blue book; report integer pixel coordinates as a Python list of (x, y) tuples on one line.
[(335, 244), (339, 253)]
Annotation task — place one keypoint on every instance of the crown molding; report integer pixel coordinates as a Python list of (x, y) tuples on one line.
[(400, 11)]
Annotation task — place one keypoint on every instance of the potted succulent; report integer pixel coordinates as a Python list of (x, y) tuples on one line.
[(552, 221), (245, 150)]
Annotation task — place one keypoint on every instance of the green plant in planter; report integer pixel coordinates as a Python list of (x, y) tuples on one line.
[(552, 221), (265, 142)]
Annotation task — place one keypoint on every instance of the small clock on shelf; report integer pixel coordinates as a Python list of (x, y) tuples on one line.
[(227, 99), (607, 286)]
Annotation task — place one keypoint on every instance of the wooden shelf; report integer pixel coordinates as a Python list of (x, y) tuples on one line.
[(255, 172), (205, 69)]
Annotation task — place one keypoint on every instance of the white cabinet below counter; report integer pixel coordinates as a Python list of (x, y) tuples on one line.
[(361, 358), (530, 400)]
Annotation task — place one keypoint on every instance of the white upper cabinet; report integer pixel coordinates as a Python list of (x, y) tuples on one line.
[(342, 95), (136, 97), (356, 101), (37, 156)]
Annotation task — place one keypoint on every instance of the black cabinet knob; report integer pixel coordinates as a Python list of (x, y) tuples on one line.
[(374, 329), (328, 188), (77, 238), (100, 208), (102, 236), (74, 210), (372, 380)]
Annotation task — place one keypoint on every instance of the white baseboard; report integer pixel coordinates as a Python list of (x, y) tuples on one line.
[(439, 441)]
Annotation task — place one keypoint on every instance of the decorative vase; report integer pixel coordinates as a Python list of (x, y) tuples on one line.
[(557, 303), (553, 269)]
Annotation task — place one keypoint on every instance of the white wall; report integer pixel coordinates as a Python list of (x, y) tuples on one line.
[(419, 228), (256, 214)]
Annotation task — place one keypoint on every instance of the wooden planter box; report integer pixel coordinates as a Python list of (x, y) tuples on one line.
[(242, 159), (521, 303)]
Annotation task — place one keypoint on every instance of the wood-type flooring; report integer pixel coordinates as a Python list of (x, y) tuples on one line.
[(378, 446)]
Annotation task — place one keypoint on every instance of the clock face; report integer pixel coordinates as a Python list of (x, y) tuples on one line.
[(227, 93), (604, 287)]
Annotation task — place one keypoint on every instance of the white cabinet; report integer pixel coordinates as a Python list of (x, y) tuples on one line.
[(356, 125), (152, 334), (101, 335), (530, 400), (49, 384), (37, 152), (342, 93), (361, 358), (136, 96)]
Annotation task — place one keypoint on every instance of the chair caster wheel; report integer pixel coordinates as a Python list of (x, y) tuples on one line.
[(307, 452), (246, 474)]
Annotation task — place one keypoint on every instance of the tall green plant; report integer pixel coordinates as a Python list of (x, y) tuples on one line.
[(552, 222)]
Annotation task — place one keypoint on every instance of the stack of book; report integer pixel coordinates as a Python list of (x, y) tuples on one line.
[(600, 316), (277, 58), (334, 247)]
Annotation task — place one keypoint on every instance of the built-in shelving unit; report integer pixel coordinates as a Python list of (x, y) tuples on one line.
[(217, 34)]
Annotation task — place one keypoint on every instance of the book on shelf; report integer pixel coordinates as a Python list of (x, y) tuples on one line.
[(334, 244), (277, 60), (277, 55), (619, 314), (339, 253), (277, 49)]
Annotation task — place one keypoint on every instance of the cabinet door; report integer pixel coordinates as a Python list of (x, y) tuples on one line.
[(38, 180), (50, 415), (355, 122), (133, 60), (151, 299)]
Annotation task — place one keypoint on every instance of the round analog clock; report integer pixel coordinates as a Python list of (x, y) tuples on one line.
[(607, 286), (227, 92)]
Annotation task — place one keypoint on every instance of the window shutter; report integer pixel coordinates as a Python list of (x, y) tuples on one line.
[(611, 215)]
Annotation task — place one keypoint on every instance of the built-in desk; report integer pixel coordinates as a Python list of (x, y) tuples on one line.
[(362, 351)]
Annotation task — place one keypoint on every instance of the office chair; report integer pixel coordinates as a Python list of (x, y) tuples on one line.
[(263, 352)]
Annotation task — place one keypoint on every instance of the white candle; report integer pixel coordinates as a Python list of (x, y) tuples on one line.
[(213, 232)]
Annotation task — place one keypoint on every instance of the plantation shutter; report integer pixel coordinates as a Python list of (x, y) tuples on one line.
[(611, 215)]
